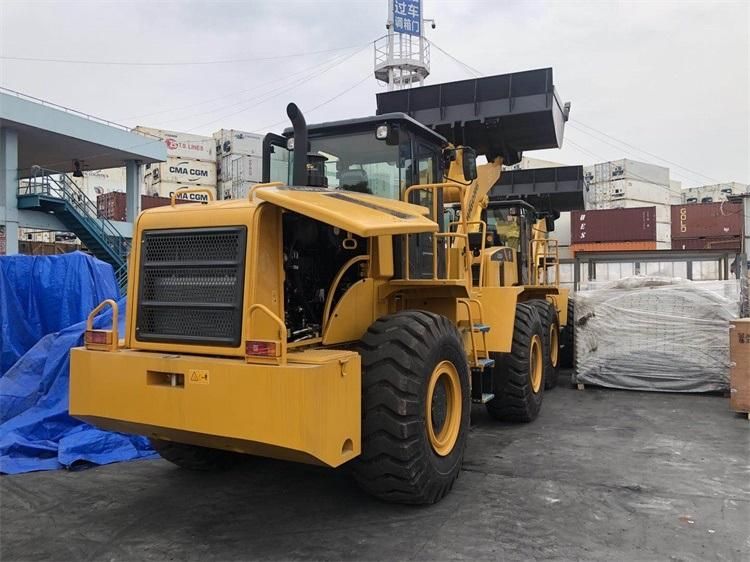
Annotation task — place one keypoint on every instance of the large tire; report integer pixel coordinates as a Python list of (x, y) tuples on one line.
[(411, 453), (518, 376), (567, 339), (193, 457), (551, 327)]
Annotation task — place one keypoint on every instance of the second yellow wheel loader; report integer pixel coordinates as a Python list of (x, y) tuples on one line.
[(349, 310)]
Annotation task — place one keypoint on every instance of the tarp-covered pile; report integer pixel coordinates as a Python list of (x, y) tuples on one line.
[(655, 333), (44, 301)]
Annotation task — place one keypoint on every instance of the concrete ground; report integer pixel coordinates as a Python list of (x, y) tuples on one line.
[(601, 475)]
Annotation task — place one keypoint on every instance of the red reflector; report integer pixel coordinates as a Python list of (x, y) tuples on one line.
[(262, 348), (97, 336)]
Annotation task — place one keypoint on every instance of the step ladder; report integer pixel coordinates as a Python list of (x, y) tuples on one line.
[(480, 362)]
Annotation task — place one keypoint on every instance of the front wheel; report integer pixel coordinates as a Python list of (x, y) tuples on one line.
[(518, 376), (415, 407)]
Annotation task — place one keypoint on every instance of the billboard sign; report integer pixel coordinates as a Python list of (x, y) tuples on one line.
[(407, 17)]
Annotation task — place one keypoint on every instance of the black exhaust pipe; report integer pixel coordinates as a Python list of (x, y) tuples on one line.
[(299, 173)]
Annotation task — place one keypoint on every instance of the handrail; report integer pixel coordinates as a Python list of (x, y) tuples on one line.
[(75, 112), (463, 222), (251, 193), (205, 190), (548, 247), (112, 345), (334, 285), (278, 321), (43, 182)]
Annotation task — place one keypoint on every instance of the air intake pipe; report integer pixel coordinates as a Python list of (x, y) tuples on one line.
[(299, 172)]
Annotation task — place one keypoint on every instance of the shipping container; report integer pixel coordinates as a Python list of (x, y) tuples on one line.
[(706, 220), (112, 206), (638, 246), (714, 193), (165, 189), (237, 189), (732, 243), (614, 170), (613, 225), (183, 171), (627, 193), (184, 145), (562, 229), (231, 141), (150, 202), (239, 167)]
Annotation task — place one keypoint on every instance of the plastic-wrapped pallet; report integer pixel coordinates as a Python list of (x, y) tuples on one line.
[(655, 333)]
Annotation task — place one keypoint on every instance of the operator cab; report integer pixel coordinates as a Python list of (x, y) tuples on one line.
[(380, 155)]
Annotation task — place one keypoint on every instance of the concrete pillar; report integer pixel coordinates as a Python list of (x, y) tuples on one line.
[(132, 189), (9, 188)]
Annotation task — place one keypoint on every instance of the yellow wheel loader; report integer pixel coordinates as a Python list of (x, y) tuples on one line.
[(351, 308)]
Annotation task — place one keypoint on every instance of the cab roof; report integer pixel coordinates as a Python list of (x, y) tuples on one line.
[(361, 123)]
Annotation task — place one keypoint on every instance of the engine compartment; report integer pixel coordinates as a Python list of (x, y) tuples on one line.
[(314, 253)]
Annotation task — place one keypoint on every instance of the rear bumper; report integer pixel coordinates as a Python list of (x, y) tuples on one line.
[(308, 410)]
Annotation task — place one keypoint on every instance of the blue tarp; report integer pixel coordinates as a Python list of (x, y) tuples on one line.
[(36, 432), (40, 295)]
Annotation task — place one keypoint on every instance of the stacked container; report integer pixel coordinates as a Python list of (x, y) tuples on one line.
[(633, 229), (239, 157), (628, 184), (706, 226), (191, 162), (713, 193)]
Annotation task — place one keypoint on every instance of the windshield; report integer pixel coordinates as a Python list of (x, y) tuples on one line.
[(360, 162)]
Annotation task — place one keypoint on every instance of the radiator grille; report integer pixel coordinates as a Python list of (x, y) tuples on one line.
[(191, 286)]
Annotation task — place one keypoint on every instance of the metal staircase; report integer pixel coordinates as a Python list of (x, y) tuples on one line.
[(56, 193)]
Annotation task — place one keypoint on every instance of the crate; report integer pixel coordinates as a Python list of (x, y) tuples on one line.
[(739, 375)]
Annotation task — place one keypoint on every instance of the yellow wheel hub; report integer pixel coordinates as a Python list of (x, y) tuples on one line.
[(554, 344), (443, 408), (536, 363)]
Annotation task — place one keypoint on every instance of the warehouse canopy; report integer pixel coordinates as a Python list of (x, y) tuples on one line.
[(53, 137)]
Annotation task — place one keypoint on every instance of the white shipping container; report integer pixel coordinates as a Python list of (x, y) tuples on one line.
[(562, 230), (183, 170), (627, 169), (224, 190), (238, 189), (238, 167), (231, 141), (184, 145), (98, 182), (166, 189)]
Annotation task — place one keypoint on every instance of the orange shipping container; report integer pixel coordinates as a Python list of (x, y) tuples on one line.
[(614, 246)]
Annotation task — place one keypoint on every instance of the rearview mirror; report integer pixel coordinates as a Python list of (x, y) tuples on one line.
[(469, 163)]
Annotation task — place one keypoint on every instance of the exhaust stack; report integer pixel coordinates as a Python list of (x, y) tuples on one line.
[(299, 173)]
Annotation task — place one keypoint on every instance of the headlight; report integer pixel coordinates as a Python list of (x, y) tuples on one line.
[(290, 144), (381, 133)]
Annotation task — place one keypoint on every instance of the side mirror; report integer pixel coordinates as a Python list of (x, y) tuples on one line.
[(550, 223), (469, 163)]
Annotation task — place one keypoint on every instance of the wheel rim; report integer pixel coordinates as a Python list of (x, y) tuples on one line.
[(536, 363), (443, 408), (554, 344)]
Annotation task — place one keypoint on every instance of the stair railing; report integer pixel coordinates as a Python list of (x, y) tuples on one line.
[(58, 185)]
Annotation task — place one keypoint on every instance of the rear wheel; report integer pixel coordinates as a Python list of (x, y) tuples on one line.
[(551, 328), (193, 457), (518, 377), (415, 407)]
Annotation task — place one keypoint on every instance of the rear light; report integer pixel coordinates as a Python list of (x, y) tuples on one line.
[(98, 337), (262, 348)]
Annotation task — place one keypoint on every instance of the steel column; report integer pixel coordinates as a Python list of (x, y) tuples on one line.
[(9, 187)]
